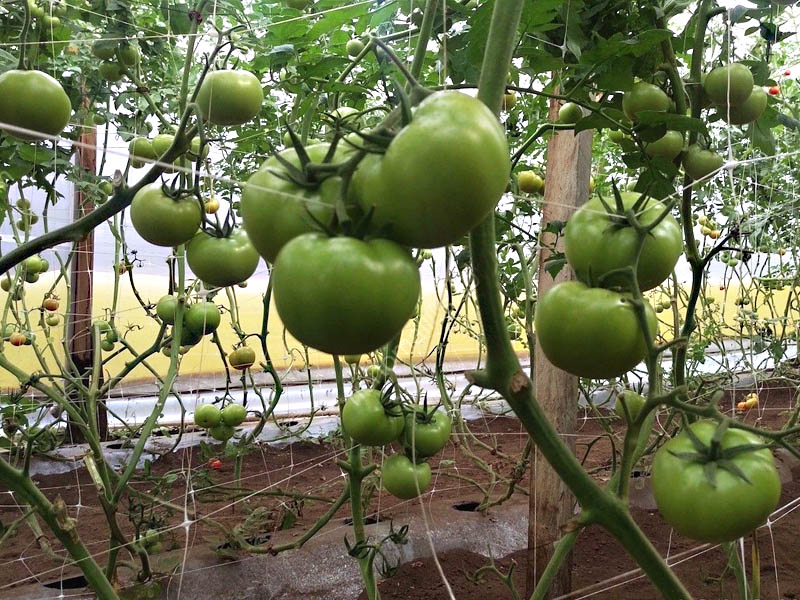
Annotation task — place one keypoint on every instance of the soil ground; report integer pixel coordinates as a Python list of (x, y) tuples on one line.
[(284, 489)]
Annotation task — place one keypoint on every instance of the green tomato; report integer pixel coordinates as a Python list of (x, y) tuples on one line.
[(699, 163), (427, 433), (32, 264), (747, 112), (221, 431), (569, 114), (234, 414), (53, 320), (617, 136), (242, 358), (129, 54), (352, 359), (161, 143), (189, 336), (342, 295), (166, 308), (727, 510), (230, 97), (529, 182), (630, 400), (731, 84), (644, 96), (354, 47), (163, 221), (275, 210), (441, 175), (207, 415), (402, 478), (141, 148), (107, 345), (667, 147), (365, 419), (31, 277), (33, 100), (110, 71), (104, 49), (591, 332), (202, 318), (595, 245), (222, 261), (106, 187)]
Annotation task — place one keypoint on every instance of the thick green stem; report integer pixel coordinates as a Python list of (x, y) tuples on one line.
[(62, 525), (425, 29), (503, 372), (563, 548)]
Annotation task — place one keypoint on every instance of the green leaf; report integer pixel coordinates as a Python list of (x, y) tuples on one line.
[(555, 263)]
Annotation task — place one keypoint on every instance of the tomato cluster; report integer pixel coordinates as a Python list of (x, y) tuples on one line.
[(220, 423)]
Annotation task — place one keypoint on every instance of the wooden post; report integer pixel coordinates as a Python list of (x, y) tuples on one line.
[(79, 315), (569, 160)]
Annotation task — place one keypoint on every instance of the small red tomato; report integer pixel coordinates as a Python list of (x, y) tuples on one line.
[(17, 339), (787, 72), (50, 304), (215, 464), (774, 90)]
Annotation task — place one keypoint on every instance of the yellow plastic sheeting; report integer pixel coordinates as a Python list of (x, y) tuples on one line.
[(418, 340)]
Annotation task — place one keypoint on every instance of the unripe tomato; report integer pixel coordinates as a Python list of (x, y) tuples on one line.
[(5, 284), (441, 175), (202, 318), (163, 221), (591, 332), (354, 47), (242, 358), (52, 320), (221, 432), (595, 245), (140, 148), (729, 508), (644, 96), (374, 371), (275, 210), (234, 414), (166, 307), (33, 100), (107, 345), (774, 90), (366, 421), (50, 304), (747, 112), (570, 113), (731, 84), (230, 97), (352, 359), (402, 478), (630, 400), (110, 71), (427, 433), (207, 415), (104, 49), (509, 101), (106, 187), (667, 147), (222, 261), (617, 136), (129, 54), (699, 163), (529, 182), (342, 295)]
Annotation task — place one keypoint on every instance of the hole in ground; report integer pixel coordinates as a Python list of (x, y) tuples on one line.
[(370, 520), (289, 423), (467, 506), (70, 583), (253, 541)]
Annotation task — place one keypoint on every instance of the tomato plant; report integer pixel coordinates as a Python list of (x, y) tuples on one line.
[(731, 485), (342, 295)]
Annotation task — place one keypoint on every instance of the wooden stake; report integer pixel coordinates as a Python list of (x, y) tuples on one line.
[(569, 160)]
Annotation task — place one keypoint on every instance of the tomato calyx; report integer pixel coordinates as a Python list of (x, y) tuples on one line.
[(713, 456)]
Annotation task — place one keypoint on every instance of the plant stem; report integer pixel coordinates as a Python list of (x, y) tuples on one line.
[(563, 548), (425, 29), (63, 526), (503, 372)]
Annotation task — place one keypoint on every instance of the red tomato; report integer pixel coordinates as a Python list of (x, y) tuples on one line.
[(774, 90), (787, 72), (215, 464)]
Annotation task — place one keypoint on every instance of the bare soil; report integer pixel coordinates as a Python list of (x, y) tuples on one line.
[(287, 488)]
